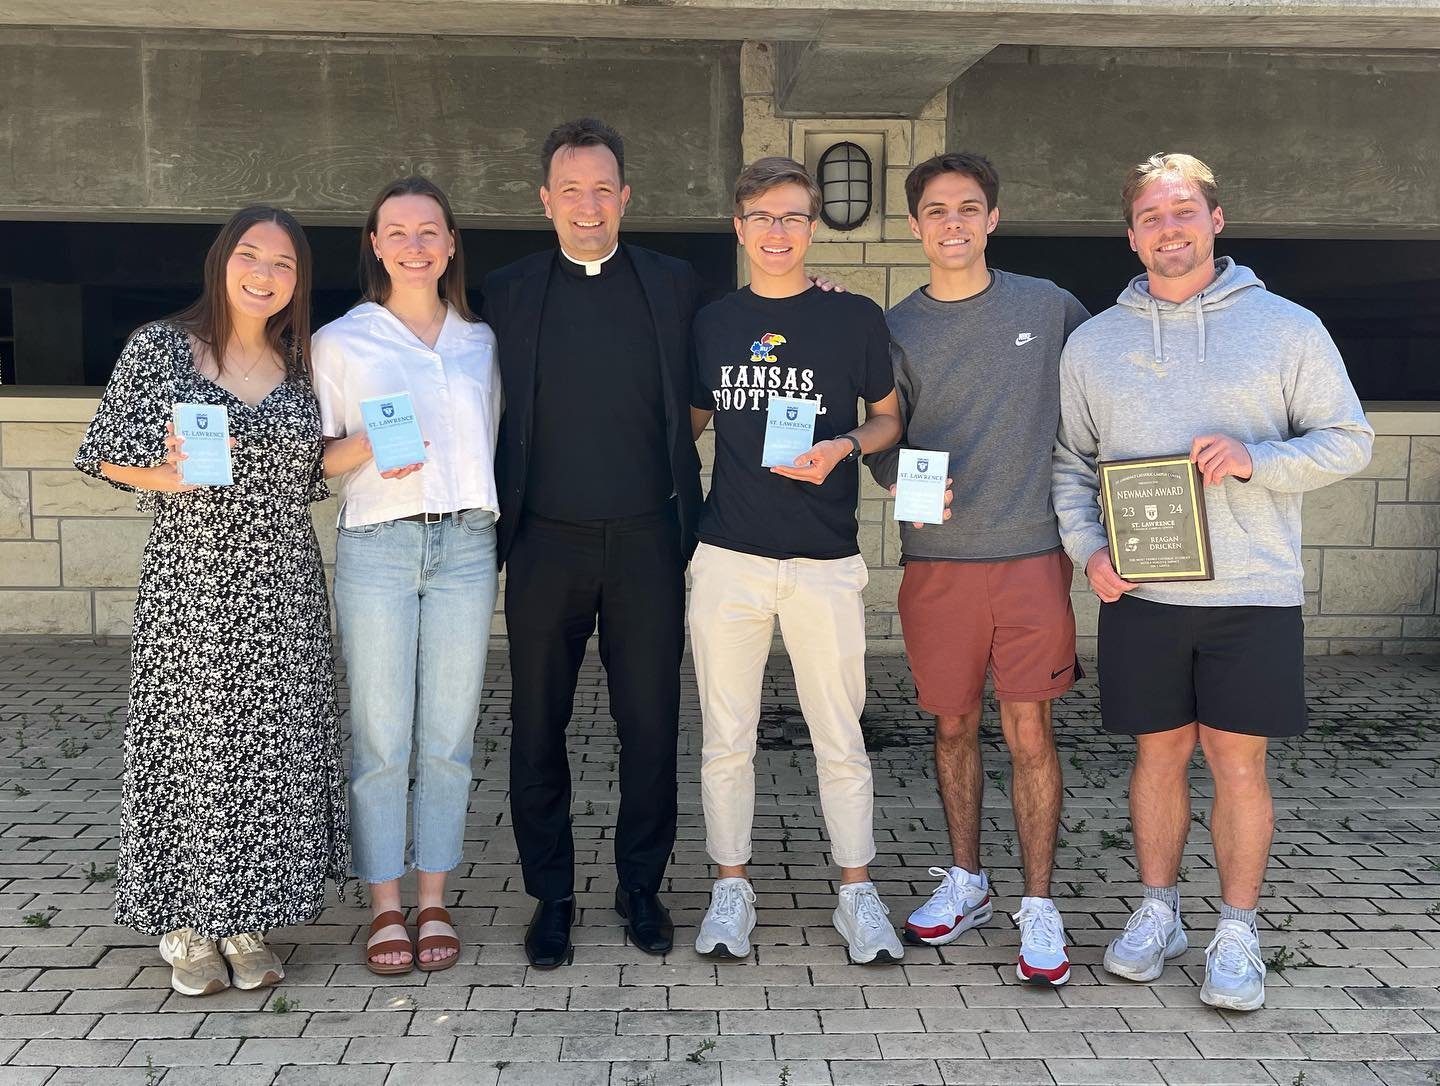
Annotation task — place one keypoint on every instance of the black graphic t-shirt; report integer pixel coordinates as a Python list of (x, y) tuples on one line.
[(827, 347)]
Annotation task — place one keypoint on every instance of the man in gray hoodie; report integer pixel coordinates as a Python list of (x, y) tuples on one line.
[(1198, 356)]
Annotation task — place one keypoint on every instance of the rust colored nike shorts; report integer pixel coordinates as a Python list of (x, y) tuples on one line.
[(1011, 617)]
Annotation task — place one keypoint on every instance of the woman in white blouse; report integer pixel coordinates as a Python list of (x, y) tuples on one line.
[(415, 566)]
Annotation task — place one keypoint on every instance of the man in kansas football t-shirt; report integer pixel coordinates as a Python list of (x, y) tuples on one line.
[(781, 542)]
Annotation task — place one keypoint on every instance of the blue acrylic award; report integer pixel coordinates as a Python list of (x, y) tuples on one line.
[(395, 437), (920, 486), (789, 431), (205, 430)]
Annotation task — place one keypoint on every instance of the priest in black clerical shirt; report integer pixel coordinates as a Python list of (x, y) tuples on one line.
[(599, 488)]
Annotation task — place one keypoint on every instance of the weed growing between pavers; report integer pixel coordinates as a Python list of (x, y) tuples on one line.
[(698, 1056)]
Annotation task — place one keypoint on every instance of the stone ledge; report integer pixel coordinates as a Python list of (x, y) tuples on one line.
[(48, 403), (1402, 417)]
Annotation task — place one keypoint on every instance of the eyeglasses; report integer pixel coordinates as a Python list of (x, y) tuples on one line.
[(793, 223)]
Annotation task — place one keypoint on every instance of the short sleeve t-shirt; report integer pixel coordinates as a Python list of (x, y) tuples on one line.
[(823, 346)]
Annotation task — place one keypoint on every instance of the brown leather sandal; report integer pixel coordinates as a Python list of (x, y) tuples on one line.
[(440, 915), (389, 946)]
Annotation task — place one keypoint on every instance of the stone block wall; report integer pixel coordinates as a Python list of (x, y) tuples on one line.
[(70, 546)]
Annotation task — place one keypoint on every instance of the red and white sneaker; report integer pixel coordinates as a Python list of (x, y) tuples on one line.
[(1043, 958), (959, 903)]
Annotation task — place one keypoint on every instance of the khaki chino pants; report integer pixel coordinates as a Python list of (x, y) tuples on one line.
[(734, 601)]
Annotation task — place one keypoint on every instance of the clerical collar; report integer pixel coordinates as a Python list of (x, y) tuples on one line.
[(592, 267)]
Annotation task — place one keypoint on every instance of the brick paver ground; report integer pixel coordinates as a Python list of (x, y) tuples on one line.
[(1351, 922)]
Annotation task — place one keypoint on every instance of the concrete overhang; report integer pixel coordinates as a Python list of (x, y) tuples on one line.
[(834, 24)]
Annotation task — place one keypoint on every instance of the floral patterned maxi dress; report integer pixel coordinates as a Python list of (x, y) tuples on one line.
[(233, 810)]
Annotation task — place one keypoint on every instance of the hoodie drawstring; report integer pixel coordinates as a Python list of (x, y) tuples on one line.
[(1199, 329), (1231, 283)]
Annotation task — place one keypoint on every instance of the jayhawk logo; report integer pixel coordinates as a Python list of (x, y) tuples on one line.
[(760, 350)]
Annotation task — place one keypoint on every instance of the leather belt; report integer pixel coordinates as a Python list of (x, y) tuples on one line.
[(434, 518)]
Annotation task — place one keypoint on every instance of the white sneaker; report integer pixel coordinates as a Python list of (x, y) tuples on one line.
[(1043, 958), (252, 963), (959, 903), (1152, 935), (1234, 970), (196, 968), (861, 918), (725, 931)]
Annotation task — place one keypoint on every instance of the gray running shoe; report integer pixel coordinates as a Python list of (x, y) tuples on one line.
[(196, 968), (252, 963), (1152, 934), (1234, 970), (863, 920), (725, 931)]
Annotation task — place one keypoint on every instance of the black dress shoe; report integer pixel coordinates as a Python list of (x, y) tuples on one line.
[(547, 941), (646, 919)]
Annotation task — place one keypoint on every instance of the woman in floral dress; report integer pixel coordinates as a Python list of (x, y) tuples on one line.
[(233, 810)]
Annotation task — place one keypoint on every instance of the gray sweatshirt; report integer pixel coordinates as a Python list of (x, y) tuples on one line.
[(1146, 377), (979, 379)]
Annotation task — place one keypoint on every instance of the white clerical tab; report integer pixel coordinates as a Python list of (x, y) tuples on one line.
[(789, 431), (920, 486), (592, 267), (205, 430), (395, 437)]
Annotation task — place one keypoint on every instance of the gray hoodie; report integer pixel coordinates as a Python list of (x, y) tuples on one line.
[(1146, 377)]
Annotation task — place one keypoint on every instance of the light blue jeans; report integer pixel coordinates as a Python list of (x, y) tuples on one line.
[(414, 603)]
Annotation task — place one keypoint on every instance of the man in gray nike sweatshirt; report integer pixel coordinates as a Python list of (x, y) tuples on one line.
[(1198, 357), (976, 353)]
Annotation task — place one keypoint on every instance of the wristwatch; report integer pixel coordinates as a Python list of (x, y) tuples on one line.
[(854, 452)]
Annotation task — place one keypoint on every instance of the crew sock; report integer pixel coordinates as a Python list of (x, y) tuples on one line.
[(1170, 895), (1230, 912)]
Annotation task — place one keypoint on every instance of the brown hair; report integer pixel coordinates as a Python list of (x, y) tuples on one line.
[(585, 132), (375, 280), (207, 318), (976, 167), (1186, 167), (765, 174)]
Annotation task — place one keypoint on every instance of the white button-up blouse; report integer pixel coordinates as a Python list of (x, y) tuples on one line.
[(455, 389)]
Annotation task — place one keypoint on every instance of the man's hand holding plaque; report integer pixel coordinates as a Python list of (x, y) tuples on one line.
[(1104, 581), (1218, 456)]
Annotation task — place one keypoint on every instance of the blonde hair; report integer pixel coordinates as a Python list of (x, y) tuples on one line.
[(1186, 167), (765, 174)]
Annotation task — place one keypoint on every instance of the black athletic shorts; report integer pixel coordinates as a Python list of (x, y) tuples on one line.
[(1236, 669)]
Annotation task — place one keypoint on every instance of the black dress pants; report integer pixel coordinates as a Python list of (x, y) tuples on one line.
[(561, 576)]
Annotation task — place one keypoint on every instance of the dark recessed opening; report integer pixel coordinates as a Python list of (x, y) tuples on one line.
[(110, 278), (1377, 298)]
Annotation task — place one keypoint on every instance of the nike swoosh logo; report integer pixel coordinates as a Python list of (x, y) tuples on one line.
[(1023, 338), (1057, 674)]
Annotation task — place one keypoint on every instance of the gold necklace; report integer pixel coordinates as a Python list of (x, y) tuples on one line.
[(264, 350), (422, 336)]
